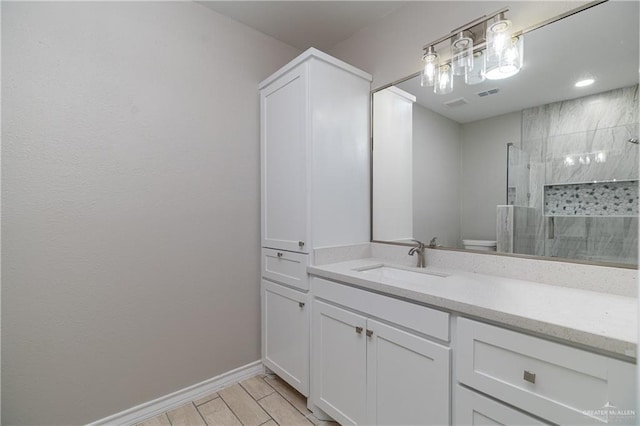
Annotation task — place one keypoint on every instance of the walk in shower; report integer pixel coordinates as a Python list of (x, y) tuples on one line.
[(572, 185)]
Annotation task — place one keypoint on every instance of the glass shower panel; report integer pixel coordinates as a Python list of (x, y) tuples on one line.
[(516, 223)]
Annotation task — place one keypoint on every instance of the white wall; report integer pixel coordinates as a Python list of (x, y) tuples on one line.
[(391, 48), (483, 172), (130, 194), (436, 170)]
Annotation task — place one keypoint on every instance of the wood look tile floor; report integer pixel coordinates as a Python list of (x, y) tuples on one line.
[(262, 400)]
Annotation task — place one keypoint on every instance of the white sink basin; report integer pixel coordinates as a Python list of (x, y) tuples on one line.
[(403, 275)]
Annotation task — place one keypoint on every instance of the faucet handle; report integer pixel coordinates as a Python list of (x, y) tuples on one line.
[(433, 242)]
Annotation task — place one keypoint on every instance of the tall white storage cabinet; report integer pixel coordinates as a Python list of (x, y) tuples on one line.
[(315, 156)]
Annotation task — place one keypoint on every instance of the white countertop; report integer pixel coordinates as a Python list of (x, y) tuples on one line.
[(601, 321)]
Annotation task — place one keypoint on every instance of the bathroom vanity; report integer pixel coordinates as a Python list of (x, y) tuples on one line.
[(393, 344)]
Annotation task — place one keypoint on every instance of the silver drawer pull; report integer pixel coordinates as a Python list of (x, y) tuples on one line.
[(359, 330), (369, 333), (279, 254), (529, 376), (301, 304), (300, 244)]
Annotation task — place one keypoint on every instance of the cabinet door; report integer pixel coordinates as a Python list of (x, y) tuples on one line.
[(283, 143), (339, 355), (471, 408), (408, 378), (285, 334)]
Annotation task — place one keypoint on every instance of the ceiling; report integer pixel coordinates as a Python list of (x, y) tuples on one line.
[(601, 42), (304, 24)]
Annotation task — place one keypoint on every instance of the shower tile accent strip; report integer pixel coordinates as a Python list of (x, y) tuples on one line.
[(592, 199)]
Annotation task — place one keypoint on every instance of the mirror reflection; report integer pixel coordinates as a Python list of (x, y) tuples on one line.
[(544, 163)]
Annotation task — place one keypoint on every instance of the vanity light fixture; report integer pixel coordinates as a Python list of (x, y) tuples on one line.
[(483, 49)]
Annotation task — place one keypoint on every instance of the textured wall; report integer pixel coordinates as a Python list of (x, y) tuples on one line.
[(130, 187)]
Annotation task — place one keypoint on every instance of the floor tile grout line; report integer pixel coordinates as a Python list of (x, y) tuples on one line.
[(209, 400), (199, 413), (258, 400), (285, 398), (232, 412), (166, 414), (247, 391), (288, 402)]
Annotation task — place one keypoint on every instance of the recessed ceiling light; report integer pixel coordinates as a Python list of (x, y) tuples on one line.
[(585, 82)]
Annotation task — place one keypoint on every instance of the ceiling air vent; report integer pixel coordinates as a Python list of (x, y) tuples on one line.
[(488, 92), (456, 103)]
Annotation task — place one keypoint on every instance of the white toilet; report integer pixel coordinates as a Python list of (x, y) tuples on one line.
[(481, 245)]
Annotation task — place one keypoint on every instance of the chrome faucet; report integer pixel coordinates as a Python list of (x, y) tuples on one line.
[(420, 250)]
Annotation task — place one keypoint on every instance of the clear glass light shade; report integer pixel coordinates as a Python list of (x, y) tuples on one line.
[(508, 62), (475, 75), (498, 36), (512, 58), (430, 73), (444, 82), (462, 53)]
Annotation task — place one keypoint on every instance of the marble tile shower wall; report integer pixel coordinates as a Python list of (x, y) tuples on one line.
[(597, 239), (578, 141)]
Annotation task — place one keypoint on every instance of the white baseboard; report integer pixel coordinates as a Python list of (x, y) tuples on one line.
[(173, 400)]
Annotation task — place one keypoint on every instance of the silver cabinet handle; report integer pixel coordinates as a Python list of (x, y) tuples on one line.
[(369, 333), (279, 254), (359, 330), (301, 304), (529, 376), (300, 244)]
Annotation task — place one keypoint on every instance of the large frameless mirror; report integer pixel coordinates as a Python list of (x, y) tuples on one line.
[(543, 164)]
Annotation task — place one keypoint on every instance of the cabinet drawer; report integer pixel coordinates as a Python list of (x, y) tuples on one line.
[(285, 267), (559, 383), (416, 317), (471, 408)]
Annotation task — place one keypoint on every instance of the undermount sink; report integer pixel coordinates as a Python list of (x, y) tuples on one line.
[(403, 275)]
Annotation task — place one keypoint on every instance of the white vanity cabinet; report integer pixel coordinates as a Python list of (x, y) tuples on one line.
[(372, 362), (555, 382), (314, 146)]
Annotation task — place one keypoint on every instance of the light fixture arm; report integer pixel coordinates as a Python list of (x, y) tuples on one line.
[(466, 27)]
